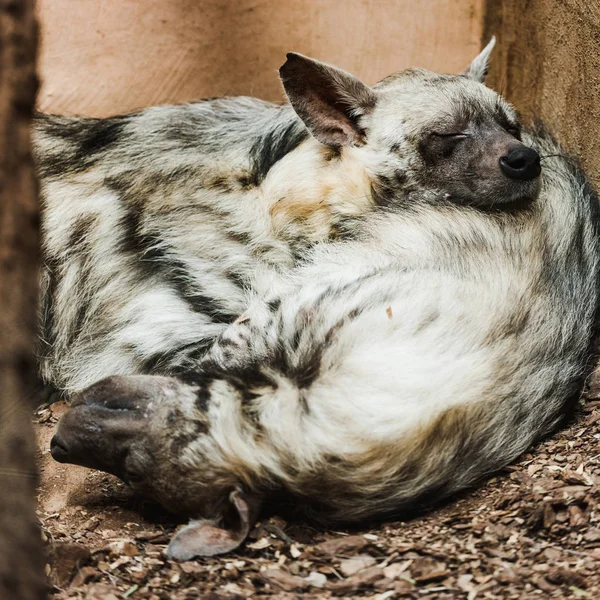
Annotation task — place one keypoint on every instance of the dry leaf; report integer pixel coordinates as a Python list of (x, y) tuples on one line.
[(342, 546), (350, 566)]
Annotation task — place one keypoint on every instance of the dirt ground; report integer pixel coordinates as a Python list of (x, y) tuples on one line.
[(531, 531)]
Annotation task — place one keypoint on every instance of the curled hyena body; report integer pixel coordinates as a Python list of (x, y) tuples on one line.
[(157, 224), (153, 225), (386, 371)]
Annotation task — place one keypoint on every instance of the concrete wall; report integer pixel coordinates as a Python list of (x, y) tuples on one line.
[(100, 57), (548, 64)]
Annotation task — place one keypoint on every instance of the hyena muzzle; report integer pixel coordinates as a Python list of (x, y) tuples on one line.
[(427, 345)]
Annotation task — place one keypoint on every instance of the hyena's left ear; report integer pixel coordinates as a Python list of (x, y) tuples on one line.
[(478, 69), (328, 100), (212, 537)]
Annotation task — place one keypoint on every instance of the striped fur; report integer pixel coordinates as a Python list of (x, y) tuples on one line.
[(387, 373), (405, 322), (156, 223)]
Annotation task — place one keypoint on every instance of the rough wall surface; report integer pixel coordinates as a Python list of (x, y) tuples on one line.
[(548, 64), (109, 56), (21, 561)]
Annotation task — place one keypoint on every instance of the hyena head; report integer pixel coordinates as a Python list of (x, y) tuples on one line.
[(153, 433), (448, 135)]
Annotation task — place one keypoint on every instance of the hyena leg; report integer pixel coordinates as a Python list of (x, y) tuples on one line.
[(248, 340)]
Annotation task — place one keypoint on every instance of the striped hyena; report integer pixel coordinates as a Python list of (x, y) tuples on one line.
[(429, 344), (155, 224)]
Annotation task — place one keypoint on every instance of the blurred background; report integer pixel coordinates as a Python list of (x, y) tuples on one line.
[(98, 58), (113, 56)]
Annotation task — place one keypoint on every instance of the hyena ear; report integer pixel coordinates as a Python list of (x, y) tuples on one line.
[(478, 69), (209, 538), (328, 100)]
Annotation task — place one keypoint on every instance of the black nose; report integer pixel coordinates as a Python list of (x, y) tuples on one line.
[(58, 449), (521, 163)]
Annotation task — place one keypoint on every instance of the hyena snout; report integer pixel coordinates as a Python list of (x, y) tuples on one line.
[(521, 163), (106, 420), (508, 170)]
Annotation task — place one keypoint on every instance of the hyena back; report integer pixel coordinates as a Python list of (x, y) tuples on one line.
[(153, 227), (393, 367)]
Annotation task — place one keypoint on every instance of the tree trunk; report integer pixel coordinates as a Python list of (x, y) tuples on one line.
[(21, 557)]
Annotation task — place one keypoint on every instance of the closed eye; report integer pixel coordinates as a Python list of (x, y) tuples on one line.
[(515, 131), (443, 144), (452, 134), (132, 478)]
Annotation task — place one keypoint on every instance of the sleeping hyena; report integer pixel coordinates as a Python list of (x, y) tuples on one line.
[(423, 347), (156, 224)]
